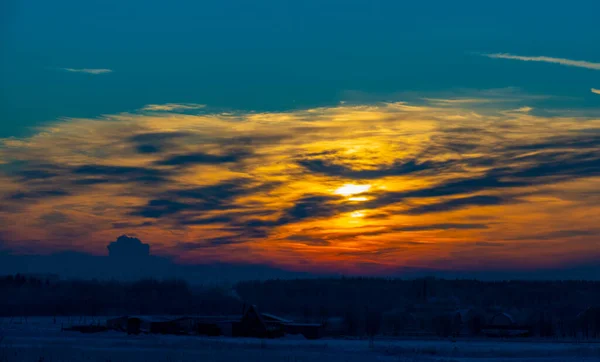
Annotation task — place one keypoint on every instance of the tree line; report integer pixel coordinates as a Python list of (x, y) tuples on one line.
[(359, 306)]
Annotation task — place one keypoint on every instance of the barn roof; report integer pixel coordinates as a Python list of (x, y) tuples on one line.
[(304, 324), (212, 318), (588, 312), (506, 315), (276, 318)]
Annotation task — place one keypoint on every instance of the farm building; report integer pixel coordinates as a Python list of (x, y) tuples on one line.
[(253, 324), (134, 325), (270, 318), (473, 321), (117, 324), (137, 325), (502, 320), (206, 325), (250, 324), (503, 325), (308, 330), (588, 323), (334, 326), (165, 327), (277, 326)]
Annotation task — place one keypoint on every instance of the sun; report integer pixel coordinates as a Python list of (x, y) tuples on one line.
[(357, 214), (351, 189)]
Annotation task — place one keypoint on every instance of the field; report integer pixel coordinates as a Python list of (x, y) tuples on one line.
[(41, 340)]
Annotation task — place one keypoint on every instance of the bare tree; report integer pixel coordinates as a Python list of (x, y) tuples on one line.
[(372, 324), (3, 357)]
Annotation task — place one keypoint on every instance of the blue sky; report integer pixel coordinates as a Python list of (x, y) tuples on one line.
[(274, 55)]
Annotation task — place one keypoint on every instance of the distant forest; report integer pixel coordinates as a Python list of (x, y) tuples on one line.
[(336, 296), (360, 306), (33, 296)]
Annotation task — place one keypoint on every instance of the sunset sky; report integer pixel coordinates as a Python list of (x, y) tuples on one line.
[(349, 137)]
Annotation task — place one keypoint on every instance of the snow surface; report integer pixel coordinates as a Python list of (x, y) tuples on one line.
[(40, 339)]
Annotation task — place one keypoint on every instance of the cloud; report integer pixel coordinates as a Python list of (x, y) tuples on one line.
[(242, 236), (196, 202), (576, 141), (594, 90), (37, 194), (200, 158), (88, 70), (169, 107), (207, 220), (155, 142), (128, 247), (146, 148), (448, 188), (456, 204), (128, 225), (36, 175), (308, 207), (445, 226), (489, 244), (558, 234), (211, 243), (54, 217), (562, 61), (213, 193), (550, 167), (158, 208), (397, 169), (308, 240), (523, 109), (150, 137), (376, 252), (261, 187), (96, 174)]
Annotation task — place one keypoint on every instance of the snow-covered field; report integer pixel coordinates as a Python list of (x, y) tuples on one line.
[(40, 339)]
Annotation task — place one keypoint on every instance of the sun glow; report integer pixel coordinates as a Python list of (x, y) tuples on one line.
[(352, 189), (357, 214)]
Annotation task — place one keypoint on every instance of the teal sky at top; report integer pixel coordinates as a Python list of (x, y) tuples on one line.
[(275, 55)]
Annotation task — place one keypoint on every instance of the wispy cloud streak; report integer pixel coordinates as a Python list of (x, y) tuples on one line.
[(172, 107), (88, 70), (562, 61)]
